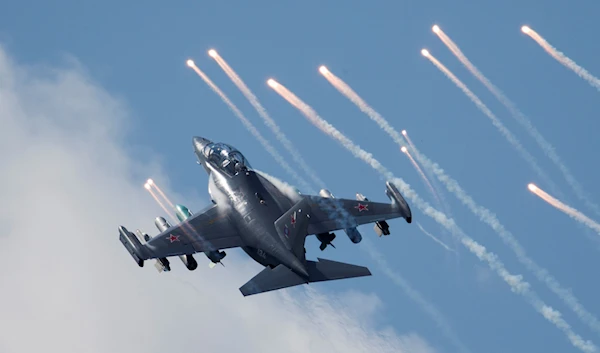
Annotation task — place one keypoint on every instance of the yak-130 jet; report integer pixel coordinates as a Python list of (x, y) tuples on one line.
[(267, 220)]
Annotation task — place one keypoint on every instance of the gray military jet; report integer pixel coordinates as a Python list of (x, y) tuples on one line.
[(266, 220)]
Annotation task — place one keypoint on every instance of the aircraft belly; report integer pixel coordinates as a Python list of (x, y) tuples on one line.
[(261, 256), (257, 210), (260, 237)]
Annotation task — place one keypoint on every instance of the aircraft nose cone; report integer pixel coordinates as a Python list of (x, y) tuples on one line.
[(199, 143)]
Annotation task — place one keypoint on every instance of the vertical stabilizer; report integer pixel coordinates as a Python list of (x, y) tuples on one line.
[(292, 227)]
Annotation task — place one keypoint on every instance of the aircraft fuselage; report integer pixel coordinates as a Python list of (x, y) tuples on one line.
[(267, 218), (255, 205)]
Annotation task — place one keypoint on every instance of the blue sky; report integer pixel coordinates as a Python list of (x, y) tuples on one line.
[(138, 54)]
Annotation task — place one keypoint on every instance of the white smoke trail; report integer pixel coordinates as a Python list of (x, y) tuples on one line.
[(285, 141), (289, 146), (414, 295), (510, 240), (349, 93), (572, 212), (396, 278), (422, 174), (516, 283), (250, 127), (434, 238), (430, 177), (520, 117), (495, 121), (484, 214), (292, 192), (160, 203), (344, 216), (438, 194), (151, 183), (288, 190), (326, 205), (562, 58)]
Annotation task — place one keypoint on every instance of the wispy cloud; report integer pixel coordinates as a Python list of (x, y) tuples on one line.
[(72, 287)]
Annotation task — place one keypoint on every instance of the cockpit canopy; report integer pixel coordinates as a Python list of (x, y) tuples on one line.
[(225, 157)]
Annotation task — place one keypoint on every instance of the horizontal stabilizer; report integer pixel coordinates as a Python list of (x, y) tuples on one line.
[(271, 279), (282, 277), (327, 270)]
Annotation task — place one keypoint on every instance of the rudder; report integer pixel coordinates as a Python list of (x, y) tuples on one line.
[(292, 227)]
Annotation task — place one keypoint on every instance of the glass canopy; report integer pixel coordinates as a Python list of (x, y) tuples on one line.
[(225, 157)]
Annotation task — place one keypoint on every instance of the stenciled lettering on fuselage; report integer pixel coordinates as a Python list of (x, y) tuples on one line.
[(237, 196)]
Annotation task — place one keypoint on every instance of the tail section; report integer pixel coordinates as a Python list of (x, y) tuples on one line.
[(271, 279), (282, 277)]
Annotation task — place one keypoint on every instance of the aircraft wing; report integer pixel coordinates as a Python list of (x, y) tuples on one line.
[(329, 214), (206, 231)]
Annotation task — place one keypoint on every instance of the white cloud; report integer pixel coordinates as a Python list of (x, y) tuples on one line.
[(69, 285)]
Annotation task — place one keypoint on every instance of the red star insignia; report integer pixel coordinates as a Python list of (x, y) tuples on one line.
[(294, 220), (173, 238), (361, 207)]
